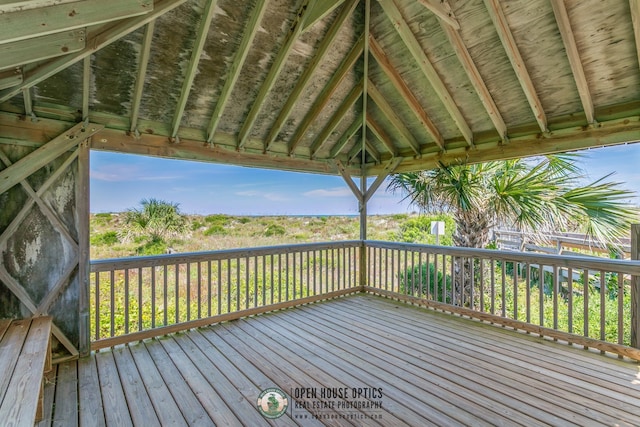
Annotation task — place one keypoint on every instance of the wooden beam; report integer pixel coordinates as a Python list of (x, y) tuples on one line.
[(8, 6), (84, 248), (86, 86), (336, 118), (143, 63), (318, 11), (635, 18), (45, 154), (391, 115), (520, 68), (564, 25), (22, 52), (406, 94), (96, 40), (321, 101), (476, 79), (26, 24), (250, 31), (222, 151), (347, 178), (401, 26), (442, 9), (382, 135), (345, 138), (196, 53), (305, 78), (281, 58), (369, 148), (388, 169)]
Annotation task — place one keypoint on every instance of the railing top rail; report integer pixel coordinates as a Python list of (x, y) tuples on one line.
[(189, 257), (573, 261)]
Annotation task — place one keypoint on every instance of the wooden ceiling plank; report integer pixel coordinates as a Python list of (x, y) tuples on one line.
[(28, 104), (382, 135), (321, 101), (635, 18), (336, 118), (564, 25), (10, 78), (391, 115), (26, 24), (442, 10), (196, 54), (508, 42), (388, 169), (43, 155), (143, 63), (345, 138), (400, 85), (95, 41), (40, 48), (476, 79), (305, 78), (401, 26), (250, 31), (319, 10), (281, 58)]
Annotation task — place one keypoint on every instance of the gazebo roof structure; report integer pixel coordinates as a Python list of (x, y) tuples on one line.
[(353, 87)]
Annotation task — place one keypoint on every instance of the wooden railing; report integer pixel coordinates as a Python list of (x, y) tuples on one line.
[(582, 300), (136, 298)]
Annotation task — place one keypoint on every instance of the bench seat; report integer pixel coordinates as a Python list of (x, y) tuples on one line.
[(25, 355)]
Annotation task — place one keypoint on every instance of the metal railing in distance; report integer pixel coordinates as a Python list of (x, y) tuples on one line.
[(134, 298), (583, 300)]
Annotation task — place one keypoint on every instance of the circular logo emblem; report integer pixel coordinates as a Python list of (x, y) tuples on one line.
[(273, 403)]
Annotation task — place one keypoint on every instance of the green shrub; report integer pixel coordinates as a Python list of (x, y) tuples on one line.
[(215, 229), (415, 281), (106, 238), (418, 230), (274, 230), (154, 246)]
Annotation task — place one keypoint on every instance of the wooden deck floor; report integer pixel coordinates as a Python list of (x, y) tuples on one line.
[(423, 368)]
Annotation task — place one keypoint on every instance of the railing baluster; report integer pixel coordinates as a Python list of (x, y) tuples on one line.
[(209, 287), (603, 293), (621, 308), (219, 287), (585, 295), (113, 302), (166, 287), (97, 305), (177, 291), (188, 290), (126, 301), (570, 300), (556, 289), (140, 301)]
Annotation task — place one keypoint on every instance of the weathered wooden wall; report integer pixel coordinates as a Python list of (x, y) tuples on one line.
[(40, 248)]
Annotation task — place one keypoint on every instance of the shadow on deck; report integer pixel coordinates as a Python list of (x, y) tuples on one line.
[(412, 367)]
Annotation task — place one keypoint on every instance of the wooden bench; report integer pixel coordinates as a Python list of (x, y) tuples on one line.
[(25, 355)]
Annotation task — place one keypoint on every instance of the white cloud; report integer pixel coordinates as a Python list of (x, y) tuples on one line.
[(330, 192), (123, 173)]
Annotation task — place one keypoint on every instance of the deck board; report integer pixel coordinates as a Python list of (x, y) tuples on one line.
[(433, 369)]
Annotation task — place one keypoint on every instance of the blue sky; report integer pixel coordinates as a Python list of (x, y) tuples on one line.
[(119, 182)]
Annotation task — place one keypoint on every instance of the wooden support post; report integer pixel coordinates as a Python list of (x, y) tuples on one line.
[(635, 288), (82, 200)]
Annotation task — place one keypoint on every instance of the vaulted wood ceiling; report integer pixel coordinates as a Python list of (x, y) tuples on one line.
[(323, 86)]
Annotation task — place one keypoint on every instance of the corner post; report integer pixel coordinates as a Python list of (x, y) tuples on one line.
[(362, 202), (635, 288), (82, 200)]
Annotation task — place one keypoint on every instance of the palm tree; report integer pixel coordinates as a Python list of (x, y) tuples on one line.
[(156, 219), (534, 197)]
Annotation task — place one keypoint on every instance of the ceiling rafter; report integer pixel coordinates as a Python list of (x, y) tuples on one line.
[(393, 118), (140, 79), (250, 32), (190, 75), (96, 39), (336, 118), (635, 18), (562, 18), (382, 135), (319, 10), (10, 78), (388, 169), (442, 10), (345, 138), (281, 58), (304, 80), (35, 49), (508, 42), (401, 26), (368, 148), (323, 98), (26, 24), (476, 79), (400, 85)]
